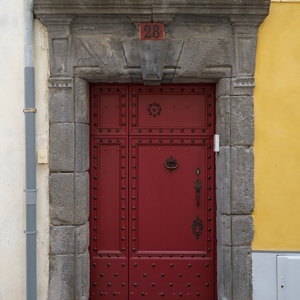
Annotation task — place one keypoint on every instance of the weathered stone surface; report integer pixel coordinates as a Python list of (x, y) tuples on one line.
[(223, 87), (242, 230), (242, 273), (243, 86), (152, 58), (82, 238), (82, 199), (245, 48), (61, 105), (204, 58), (242, 190), (225, 275), (59, 47), (82, 157), (62, 239), (61, 285), (62, 198), (104, 52), (82, 101), (149, 7), (223, 180), (82, 275), (242, 121), (223, 120), (224, 229), (137, 52), (62, 143), (96, 74)]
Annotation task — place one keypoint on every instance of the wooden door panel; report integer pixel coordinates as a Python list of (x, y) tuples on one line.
[(166, 257), (166, 278), (172, 110), (169, 197), (109, 217), (109, 106)]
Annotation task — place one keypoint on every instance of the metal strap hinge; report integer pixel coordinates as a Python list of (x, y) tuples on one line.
[(30, 232), (216, 143), (29, 110)]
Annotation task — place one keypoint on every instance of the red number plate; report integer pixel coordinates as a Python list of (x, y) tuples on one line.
[(152, 31)]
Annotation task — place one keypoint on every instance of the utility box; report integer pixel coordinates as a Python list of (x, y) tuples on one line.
[(288, 277)]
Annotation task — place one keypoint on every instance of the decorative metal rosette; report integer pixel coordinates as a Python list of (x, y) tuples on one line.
[(154, 109)]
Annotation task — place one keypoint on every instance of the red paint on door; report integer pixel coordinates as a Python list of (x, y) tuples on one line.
[(152, 216)]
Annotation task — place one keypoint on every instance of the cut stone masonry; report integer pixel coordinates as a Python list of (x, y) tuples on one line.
[(98, 41)]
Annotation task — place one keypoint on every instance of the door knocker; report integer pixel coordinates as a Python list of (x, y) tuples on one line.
[(171, 163)]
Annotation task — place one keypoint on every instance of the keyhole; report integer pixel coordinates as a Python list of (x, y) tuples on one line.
[(198, 171)]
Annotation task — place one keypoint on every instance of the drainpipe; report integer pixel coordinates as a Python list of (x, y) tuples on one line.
[(30, 152)]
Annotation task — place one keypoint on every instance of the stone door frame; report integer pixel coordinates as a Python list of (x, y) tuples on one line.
[(69, 131)]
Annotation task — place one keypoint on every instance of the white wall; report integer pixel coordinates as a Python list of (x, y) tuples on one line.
[(12, 164), (42, 143)]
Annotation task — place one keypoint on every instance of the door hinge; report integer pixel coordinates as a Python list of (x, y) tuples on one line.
[(216, 143)]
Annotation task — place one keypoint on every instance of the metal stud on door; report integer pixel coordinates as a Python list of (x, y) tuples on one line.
[(156, 217)]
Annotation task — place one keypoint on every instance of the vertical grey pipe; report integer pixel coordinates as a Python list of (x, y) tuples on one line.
[(30, 152)]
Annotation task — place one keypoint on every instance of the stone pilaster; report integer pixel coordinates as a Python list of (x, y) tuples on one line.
[(69, 163)]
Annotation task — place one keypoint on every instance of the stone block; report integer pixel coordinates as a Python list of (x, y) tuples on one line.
[(242, 189), (245, 50), (81, 238), (223, 87), (223, 113), (242, 230), (82, 199), (130, 48), (152, 60), (62, 239), (223, 191), (82, 101), (242, 120), (104, 52), (224, 273), (241, 273), (82, 275), (61, 105), (62, 198), (224, 229), (243, 86), (82, 147), (61, 281), (204, 58), (62, 142)]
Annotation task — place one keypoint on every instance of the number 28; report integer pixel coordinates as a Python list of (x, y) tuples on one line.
[(151, 31)]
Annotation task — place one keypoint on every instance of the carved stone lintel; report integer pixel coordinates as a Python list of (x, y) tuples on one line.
[(130, 7)]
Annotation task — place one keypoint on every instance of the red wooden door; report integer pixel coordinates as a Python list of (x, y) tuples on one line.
[(152, 217)]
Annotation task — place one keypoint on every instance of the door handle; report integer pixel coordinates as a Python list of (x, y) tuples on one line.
[(171, 163), (197, 187)]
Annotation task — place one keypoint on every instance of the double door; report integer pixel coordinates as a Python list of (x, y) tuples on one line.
[(152, 189)]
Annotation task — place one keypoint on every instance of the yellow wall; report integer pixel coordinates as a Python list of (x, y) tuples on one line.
[(277, 130)]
